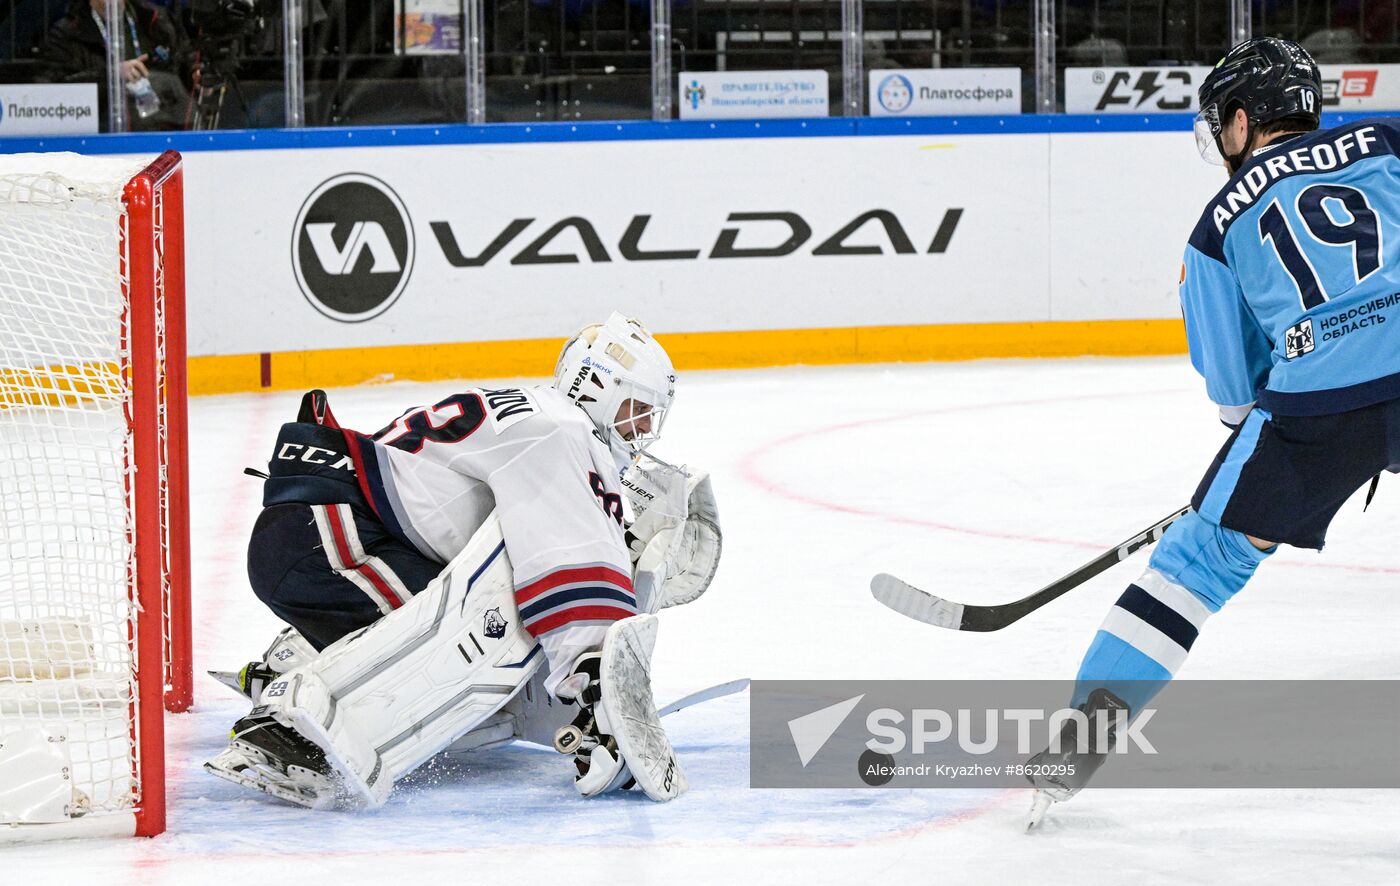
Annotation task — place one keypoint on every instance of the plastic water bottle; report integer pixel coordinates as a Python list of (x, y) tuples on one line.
[(147, 102)]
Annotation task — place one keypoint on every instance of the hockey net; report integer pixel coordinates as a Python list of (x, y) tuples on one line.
[(94, 568)]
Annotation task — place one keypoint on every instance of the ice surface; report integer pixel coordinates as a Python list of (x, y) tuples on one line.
[(986, 479)]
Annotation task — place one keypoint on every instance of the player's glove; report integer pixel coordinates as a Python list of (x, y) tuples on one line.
[(599, 765), (657, 492), (675, 542), (681, 561)]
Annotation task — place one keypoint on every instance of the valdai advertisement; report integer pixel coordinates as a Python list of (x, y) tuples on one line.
[(420, 245), (365, 247), (358, 276)]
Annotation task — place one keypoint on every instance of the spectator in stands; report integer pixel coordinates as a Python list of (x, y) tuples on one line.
[(156, 52)]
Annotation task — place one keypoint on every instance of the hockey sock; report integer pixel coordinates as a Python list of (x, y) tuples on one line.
[(1197, 567)]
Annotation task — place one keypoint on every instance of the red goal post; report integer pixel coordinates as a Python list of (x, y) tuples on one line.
[(94, 496)]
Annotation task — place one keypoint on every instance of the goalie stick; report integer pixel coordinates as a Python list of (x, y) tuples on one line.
[(930, 609), (713, 692)]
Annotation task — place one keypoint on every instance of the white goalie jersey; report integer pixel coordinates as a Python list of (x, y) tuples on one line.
[(435, 474)]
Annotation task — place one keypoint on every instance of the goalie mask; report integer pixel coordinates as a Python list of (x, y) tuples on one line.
[(618, 374)]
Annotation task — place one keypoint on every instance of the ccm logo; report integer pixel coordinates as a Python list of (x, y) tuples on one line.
[(1128, 547), (315, 455)]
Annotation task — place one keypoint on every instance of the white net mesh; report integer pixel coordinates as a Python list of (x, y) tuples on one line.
[(66, 559)]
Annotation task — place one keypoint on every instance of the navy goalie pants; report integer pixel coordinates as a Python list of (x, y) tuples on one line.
[(329, 570)]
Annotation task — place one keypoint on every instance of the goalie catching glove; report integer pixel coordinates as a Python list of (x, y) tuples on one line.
[(675, 542)]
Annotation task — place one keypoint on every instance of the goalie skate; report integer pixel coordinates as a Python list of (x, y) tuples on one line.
[(267, 757), (628, 713)]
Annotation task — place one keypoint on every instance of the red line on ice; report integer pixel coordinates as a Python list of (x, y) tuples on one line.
[(751, 469)]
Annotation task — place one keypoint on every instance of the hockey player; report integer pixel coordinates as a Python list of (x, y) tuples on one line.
[(1290, 291), (424, 570)]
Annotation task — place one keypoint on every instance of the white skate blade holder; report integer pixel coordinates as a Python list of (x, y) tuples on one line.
[(1040, 804), (247, 767), (629, 712)]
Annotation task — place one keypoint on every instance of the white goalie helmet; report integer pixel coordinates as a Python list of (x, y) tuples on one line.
[(622, 378)]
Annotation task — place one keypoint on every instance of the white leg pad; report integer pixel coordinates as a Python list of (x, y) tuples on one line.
[(628, 712), (533, 715), (384, 699)]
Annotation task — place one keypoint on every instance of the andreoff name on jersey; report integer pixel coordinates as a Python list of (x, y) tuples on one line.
[(1320, 157)]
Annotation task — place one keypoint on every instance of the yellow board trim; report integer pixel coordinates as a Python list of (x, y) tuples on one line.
[(343, 367), (60, 385)]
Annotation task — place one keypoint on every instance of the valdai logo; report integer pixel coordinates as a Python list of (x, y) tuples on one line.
[(742, 235), (353, 243), (352, 247), (339, 261)]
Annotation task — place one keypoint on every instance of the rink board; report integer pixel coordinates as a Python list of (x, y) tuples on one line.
[(416, 257), (956, 230), (796, 250)]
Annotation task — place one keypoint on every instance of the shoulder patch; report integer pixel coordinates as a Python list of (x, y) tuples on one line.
[(508, 406)]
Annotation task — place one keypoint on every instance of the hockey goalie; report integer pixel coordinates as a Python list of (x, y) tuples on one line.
[(480, 571)]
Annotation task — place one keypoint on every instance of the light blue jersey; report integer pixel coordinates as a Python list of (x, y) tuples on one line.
[(1291, 280)]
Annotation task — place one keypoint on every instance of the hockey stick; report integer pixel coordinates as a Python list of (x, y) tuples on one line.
[(929, 609), (713, 692)]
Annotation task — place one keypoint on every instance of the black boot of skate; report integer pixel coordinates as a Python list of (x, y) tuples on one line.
[(1059, 774), (278, 742), (272, 758)]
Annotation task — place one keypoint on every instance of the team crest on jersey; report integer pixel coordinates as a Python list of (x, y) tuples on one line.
[(493, 624), (1298, 340)]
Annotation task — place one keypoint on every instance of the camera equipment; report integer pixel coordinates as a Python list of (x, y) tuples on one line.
[(221, 27)]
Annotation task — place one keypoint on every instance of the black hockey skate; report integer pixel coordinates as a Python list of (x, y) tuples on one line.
[(1059, 774), (269, 757)]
